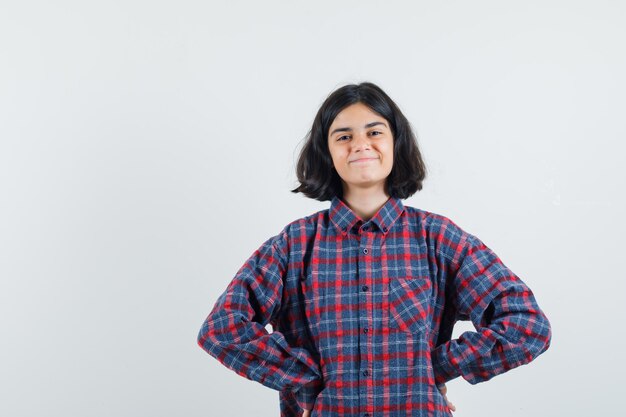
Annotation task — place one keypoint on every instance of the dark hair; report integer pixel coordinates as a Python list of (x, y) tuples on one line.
[(315, 170)]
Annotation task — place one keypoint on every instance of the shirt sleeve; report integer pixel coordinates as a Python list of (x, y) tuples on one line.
[(511, 329), (234, 331)]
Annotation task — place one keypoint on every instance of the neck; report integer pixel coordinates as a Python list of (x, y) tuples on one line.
[(365, 203)]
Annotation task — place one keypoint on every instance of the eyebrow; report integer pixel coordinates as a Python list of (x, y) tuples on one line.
[(349, 129)]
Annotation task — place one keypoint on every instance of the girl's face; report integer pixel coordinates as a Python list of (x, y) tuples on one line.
[(361, 147)]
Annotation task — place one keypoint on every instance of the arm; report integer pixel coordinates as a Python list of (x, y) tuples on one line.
[(511, 329), (234, 331)]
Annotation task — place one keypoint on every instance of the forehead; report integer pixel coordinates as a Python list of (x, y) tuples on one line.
[(356, 115)]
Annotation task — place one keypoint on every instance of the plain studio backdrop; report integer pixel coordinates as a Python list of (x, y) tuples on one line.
[(147, 148)]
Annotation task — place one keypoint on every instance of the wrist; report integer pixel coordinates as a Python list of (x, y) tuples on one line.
[(443, 368)]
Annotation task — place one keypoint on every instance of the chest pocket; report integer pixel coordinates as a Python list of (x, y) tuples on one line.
[(410, 305)]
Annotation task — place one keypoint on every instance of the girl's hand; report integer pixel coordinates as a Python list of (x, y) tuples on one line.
[(307, 413), (443, 390)]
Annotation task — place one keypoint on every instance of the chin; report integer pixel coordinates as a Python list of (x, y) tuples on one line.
[(366, 183)]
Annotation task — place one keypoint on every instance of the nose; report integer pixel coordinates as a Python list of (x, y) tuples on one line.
[(360, 141)]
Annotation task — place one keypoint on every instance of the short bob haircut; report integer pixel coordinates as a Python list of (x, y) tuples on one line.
[(315, 170)]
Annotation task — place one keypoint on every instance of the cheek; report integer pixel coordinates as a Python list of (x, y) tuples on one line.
[(389, 163), (338, 155), (336, 158), (389, 153)]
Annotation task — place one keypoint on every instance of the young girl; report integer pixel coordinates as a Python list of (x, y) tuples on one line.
[(363, 297)]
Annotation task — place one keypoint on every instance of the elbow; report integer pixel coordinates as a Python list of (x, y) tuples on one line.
[(200, 339), (548, 333), (215, 336), (203, 340), (541, 335)]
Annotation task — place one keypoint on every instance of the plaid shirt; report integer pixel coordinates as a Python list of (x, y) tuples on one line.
[(362, 314)]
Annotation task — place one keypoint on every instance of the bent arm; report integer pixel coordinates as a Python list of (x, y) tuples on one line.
[(511, 329), (234, 332)]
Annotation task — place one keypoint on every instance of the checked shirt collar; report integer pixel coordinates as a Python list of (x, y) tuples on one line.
[(345, 219)]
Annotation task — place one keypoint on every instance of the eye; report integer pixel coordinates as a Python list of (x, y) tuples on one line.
[(343, 137), (376, 133)]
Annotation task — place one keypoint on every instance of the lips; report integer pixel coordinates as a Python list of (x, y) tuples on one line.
[(364, 159)]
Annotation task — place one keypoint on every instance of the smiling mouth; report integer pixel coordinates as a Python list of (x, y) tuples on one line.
[(364, 160)]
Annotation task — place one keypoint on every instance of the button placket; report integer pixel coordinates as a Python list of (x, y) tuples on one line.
[(365, 286)]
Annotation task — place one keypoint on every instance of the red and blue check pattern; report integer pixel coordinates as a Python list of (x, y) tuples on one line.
[(362, 314)]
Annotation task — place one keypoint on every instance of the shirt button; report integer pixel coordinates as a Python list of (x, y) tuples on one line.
[(365, 228), (366, 330), (385, 229), (364, 288), (366, 373), (365, 251)]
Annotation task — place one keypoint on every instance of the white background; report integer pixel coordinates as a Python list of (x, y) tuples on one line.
[(147, 148)]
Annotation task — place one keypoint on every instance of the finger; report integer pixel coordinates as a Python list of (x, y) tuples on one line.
[(449, 403), (306, 413)]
